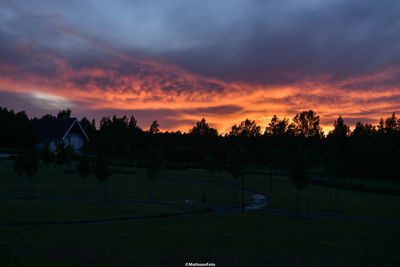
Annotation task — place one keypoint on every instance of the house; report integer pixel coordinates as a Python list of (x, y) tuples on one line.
[(52, 132)]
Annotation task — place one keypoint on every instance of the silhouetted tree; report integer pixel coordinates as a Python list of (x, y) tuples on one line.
[(210, 165), (48, 117), (277, 126), (363, 129), (19, 167), (134, 134), (246, 128), (31, 167), (61, 153), (335, 160), (371, 150), (102, 173), (298, 176), (83, 170), (237, 159), (203, 129), (64, 154), (88, 127), (154, 164), (64, 114), (390, 125), (154, 127), (69, 154), (16, 129), (133, 123), (105, 124), (306, 124), (340, 130), (46, 154)]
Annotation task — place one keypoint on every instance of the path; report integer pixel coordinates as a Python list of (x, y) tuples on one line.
[(257, 202)]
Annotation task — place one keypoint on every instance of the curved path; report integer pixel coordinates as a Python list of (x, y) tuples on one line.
[(257, 201)]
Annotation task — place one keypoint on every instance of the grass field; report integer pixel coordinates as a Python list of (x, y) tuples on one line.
[(317, 199), (127, 184), (21, 210), (229, 238)]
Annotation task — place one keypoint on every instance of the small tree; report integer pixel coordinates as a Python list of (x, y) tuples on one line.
[(83, 170), (203, 129), (298, 177), (61, 153), (154, 127), (102, 173), (31, 167), (46, 154), (210, 165), (69, 154), (273, 169), (237, 158), (64, 154), (154, 165), (19, 163)]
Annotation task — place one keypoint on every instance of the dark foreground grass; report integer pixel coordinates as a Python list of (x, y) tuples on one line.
[(22, 210), (315, 199), (232, 239), (132, 184), (175, 186), (226, 239)]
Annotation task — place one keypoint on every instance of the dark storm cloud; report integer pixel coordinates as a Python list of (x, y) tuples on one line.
[(340, 38), (176, 60), (260, 41)]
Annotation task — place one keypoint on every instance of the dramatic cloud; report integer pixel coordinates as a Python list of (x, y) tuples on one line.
[(178, 61)]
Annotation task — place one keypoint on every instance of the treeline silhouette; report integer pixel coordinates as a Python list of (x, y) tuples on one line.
[(369, 151)]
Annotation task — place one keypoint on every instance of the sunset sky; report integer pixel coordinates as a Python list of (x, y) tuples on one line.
[(178, 61)]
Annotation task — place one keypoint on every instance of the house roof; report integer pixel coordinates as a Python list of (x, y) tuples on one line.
[(55, 128)]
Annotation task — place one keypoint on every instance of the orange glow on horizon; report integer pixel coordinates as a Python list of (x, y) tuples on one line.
[(159, 86)]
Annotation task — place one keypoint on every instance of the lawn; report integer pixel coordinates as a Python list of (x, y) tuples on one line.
[(127, 184), (176, 186), (316, 199), (321, 199), (229, 238), (226, 239), (22, 210)]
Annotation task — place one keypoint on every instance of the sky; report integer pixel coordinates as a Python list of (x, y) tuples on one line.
[(179, 61)]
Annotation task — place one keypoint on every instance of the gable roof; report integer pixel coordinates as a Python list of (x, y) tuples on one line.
[(55, 128)]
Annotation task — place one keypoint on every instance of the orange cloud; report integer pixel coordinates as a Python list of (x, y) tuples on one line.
[(127, 84)]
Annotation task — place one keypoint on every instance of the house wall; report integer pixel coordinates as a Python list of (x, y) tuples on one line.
[(75, 140), (42, 143)]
